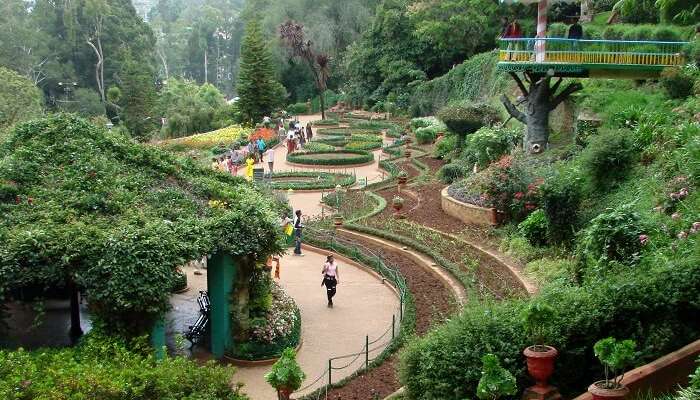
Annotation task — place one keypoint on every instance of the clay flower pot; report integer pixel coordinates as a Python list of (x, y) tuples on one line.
[(402, 180), (397, 206), (599, 392), (407, 153), (284, 393), (540, 363), (338, 220)]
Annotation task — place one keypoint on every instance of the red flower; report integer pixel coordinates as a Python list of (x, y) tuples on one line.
[(519, 195), (530, 206)]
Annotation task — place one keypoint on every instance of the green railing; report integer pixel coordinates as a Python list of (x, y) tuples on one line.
[(585, 51)]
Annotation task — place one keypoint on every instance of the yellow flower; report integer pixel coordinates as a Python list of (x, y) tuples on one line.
[(225, 136)]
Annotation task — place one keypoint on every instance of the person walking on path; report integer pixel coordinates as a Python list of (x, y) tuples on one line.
[(302, 138), (260, 144), (309, 132), (298, 227), (331, 278), (251, 148), (249, 168), (270, 159), (290, 141)]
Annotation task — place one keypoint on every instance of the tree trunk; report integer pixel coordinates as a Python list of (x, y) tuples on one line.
[(323, 105), (206, 73), (75, 330), (540, 100)]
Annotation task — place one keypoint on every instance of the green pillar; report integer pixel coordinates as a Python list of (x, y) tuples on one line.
[(221, 272), (158, 338)]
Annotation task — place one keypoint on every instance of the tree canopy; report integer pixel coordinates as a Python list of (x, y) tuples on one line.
[(83, 204), (20, 99)]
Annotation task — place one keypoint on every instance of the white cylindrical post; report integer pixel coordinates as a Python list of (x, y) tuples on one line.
[(541, 30)]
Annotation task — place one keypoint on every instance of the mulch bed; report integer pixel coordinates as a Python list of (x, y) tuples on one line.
[(434, 302), (430, 211), (433, 163), (388, 194), (410, 169)]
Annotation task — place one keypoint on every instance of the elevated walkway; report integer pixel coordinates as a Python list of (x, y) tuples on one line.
[(589, 58)]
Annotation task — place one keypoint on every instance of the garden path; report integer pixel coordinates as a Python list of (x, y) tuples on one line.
[(310, 202), (363, 306)]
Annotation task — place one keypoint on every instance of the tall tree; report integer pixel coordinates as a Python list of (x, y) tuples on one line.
[(292, 35), (138, 98), (19, 99), (258, 89)]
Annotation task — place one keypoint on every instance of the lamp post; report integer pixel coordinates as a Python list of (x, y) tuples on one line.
[(68, 88), (109, 125)]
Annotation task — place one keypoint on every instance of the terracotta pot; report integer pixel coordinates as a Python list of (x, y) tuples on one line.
[(397, 206), (284, 393), (407, 153), (402, 180), (599, 392), (338, 220), (540, 363)]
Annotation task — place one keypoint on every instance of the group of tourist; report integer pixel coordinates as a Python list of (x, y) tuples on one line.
[(297, 136), (255, 151), (512, 30)]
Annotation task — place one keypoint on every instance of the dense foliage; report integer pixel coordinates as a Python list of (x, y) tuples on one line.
[(20, 99), (83, 204), (108, 368)]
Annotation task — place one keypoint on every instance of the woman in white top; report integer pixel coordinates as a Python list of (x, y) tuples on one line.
[(331, 278)]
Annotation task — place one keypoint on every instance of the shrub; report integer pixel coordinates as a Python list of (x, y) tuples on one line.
[(467, 119), (103, 367), (297, 108), (561, 196), (495, 381), (423, 122), (316, 157), (363, 146), (612, 237), (426, 135), (318, 146), (452, 172), (651, 307), (678, 82), (489, 144), (615, 356), (638, 11), (535, 228), (286, 372), (446, 146), (608, 158)]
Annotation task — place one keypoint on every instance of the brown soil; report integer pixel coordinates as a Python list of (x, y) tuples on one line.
[(410, 169), (433, 163), (433, 301), (409, 205), (430, 211)]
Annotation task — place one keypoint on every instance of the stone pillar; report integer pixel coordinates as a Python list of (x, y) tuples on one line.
[(221, 273)]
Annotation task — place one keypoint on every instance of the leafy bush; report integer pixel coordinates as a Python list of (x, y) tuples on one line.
[(423, 122), (297, 108), (638, 11), (363, 146), (495, 381), (452, 172), (615, 356), (535, 228), (426, 135), (489, 144), (469, 118), (682, 12), (286, 372), (318, 146), (612, 237), (561, 195), (446, 146), (655, 307), (678, 82), (608, 158), (320, 180), (103, 367)]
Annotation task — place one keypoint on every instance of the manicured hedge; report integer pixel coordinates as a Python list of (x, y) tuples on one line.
[(349, 131), (363, 146), (325, 122), (338, 141), (656, 305), (356, 157), (326, 181)]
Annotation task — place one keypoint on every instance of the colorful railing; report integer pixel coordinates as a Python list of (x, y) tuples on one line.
[(604, 52)]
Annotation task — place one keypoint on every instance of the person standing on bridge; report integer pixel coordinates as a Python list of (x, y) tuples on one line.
[(331, 278)]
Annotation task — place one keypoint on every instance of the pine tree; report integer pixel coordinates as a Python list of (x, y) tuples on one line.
[(259, 91), (139, 97)]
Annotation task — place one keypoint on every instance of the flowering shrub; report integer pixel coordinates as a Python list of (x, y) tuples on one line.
[(489, 144), (265, 134), (279, 320), (226, 135)]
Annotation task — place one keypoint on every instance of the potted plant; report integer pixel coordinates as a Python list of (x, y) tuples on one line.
[(397, 203), (407, 153), (536, 318), (495, 381), (286, 376), (403, 177), (338, 220), (615, 356)]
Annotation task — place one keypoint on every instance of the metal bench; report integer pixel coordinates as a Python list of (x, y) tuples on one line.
[(196, 333)]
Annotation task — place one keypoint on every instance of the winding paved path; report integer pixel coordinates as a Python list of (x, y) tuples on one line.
[(363, 306)]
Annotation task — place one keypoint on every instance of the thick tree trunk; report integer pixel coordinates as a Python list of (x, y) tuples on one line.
[(540, 100), (75, 330)]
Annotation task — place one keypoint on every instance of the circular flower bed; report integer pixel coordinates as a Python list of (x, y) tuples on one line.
[(281, 328), (348, 131), (344, 157), (363, 146), (311, 180)]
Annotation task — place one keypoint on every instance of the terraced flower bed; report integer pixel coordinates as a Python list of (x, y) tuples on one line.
[(311, 180), (349, 131), (344, 157)]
